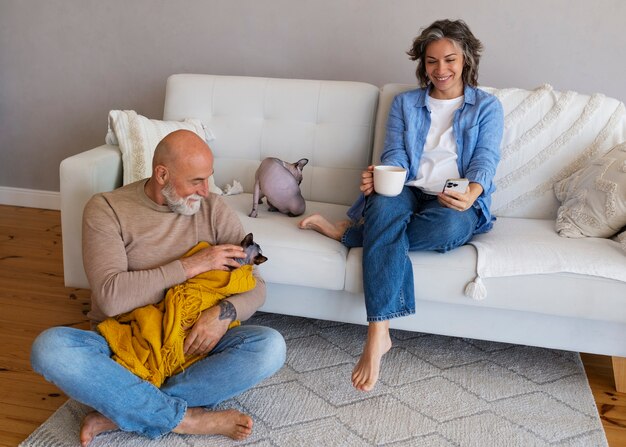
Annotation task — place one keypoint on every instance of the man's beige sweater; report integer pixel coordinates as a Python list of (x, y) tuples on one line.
[(132, 249)]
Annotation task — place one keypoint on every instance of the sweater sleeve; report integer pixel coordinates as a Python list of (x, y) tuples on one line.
[(248, 303), (114, 288), (229, 230)]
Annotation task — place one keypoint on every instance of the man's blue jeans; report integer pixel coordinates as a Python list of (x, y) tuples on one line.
[(79, 363), (393, 226)]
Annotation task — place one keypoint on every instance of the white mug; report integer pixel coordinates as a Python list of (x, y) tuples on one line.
[(389, 180)]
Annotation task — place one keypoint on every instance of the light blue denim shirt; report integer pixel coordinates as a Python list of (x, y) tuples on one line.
[(478, 126)]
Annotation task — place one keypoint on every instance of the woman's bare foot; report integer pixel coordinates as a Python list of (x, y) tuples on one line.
[(93, 424), (320, 224), (367, 369), (231, 423)]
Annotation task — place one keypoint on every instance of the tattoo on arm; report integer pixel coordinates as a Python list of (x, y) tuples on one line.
[(227, 311)]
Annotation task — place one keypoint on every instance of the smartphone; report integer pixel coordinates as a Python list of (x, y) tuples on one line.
[(456, 184)]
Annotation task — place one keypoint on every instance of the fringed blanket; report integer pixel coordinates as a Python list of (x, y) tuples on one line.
[(531, 246), (149, 340)]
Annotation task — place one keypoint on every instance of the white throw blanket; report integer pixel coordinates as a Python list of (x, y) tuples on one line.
[(532, 246)]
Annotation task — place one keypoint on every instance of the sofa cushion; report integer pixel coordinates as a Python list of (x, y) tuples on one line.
[(547, 287), (295, 256), (330, 123), (138, 136), (437, 276), (594, 197), (513, 248)]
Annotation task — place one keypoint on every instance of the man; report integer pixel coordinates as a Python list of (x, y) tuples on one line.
[(133, 242)]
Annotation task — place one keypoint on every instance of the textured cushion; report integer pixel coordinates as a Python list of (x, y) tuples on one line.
[(594, 197), (138, 136)]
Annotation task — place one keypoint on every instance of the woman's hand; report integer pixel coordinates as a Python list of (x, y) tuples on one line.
[(367, 181), (460, 201)]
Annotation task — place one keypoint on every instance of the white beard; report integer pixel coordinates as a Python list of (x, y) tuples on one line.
[(187, 206)]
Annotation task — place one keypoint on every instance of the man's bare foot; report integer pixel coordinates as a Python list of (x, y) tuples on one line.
[(231, 423), (320, 224), (93, 424), (367, 369)]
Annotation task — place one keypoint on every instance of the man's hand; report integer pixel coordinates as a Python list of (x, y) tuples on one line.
[(209, 329), (216, 257)]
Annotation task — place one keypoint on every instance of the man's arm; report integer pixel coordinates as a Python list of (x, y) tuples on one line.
[(228, 229), (247, 303), (116, 290), (214, 322)]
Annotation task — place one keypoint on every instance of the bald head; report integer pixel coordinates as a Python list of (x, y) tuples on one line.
[(181, 166), (179, 148)]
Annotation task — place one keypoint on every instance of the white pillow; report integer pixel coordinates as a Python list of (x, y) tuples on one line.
[(593, 199), (138, 136)]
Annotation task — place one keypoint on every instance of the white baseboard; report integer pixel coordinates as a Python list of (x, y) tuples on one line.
[(30, 198)]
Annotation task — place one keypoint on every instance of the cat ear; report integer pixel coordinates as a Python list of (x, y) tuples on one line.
[(302, 163), (259, 259), (247, 240)]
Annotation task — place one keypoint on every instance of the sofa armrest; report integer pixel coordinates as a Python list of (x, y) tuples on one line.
[(82, 176)]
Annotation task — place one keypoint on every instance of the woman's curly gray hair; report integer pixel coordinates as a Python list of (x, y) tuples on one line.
[(457, 31)]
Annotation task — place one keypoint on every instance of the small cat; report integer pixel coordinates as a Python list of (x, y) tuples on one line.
[(279, 182), (254, 256)]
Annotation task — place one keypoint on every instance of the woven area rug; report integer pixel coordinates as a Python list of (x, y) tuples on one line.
[(433, 391)]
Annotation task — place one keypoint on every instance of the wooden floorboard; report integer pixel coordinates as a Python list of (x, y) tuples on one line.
[(33, 298)]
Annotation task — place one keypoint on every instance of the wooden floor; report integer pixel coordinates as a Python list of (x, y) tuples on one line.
[(33, 298)]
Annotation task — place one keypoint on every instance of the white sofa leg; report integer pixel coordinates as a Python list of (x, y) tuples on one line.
[(619, 372)]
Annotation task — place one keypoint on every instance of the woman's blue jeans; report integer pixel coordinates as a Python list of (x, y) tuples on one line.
[(393, 226), (79, 363)]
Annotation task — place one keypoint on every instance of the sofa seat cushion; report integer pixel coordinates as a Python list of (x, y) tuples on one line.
[(437, 276), (442, 277), (295, 256)]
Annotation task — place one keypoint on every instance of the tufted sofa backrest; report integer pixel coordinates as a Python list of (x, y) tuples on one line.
[(548, 135), (329, 122)]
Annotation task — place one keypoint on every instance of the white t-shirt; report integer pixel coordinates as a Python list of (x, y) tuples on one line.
[(439, 160)]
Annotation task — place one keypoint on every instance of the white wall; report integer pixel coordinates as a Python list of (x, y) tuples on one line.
[(65, 63)]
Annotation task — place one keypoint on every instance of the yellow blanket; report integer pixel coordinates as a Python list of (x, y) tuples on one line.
[(149, 340)]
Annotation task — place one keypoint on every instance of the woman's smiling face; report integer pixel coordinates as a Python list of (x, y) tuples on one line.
[(444, 66)]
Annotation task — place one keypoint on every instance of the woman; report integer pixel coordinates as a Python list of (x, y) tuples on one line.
[(445, 129)]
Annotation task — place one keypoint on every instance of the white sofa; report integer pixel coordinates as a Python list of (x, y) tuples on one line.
[(571, 296)]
